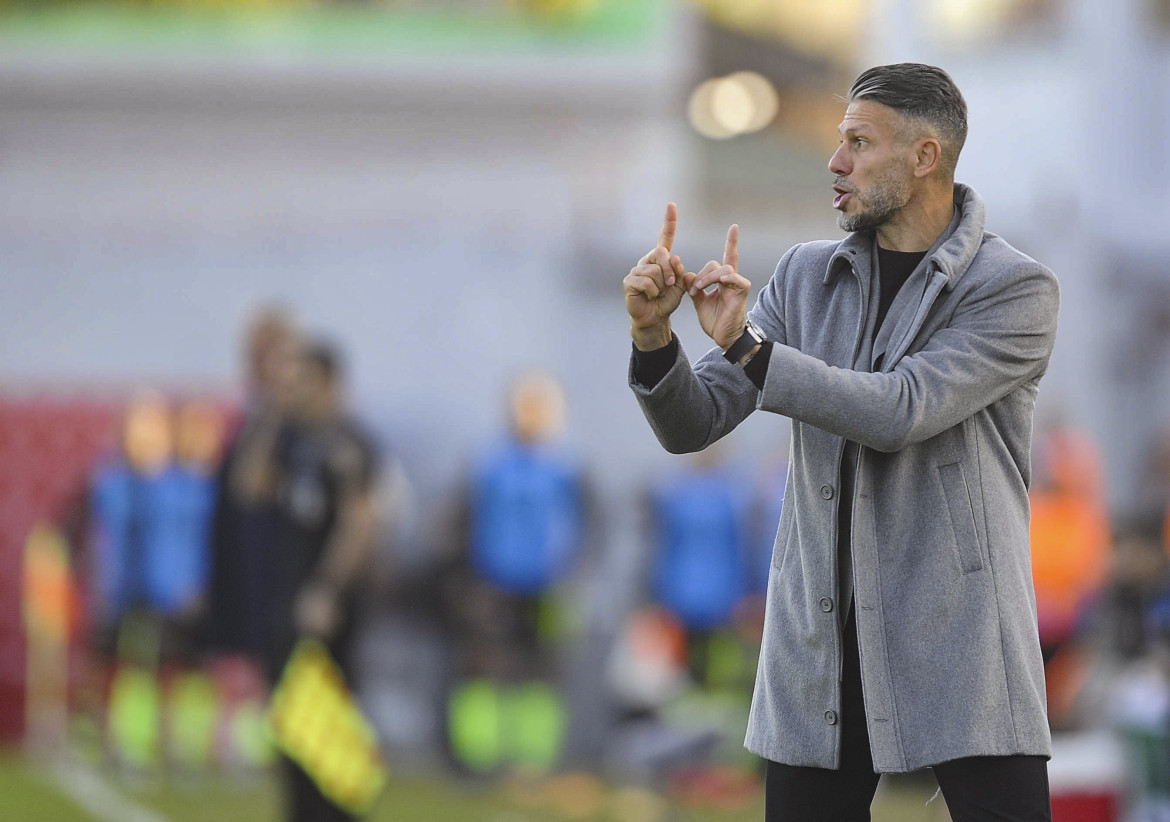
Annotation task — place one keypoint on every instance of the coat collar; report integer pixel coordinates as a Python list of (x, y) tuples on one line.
[(952, 253)]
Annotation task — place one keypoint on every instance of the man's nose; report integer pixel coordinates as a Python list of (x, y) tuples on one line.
[(837, 164)]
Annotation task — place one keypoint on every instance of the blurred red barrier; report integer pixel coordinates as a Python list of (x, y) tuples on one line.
[(1085, 806)]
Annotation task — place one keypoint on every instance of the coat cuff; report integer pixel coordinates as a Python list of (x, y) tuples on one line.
[(647, 368), (757, 367)]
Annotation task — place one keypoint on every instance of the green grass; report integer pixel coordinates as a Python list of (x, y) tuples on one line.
[(28, 795), (29, 791), (226, 28)]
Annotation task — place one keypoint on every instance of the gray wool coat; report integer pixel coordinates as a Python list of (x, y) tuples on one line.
[(946, 612)]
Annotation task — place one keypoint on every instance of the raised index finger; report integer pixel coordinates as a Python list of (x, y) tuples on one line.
[(669, 223), (731, 250)]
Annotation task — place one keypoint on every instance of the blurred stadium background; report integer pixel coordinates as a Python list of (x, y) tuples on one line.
[(452, 190)]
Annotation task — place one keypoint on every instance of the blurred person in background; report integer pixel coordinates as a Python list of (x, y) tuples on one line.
[(1069, 529), (1127, 642), (296, 520), (686, 723), (324, 466), (700, 568), (1071, 545), (247, 520), (128, 510), (152, 512), (323, 469), (524, 533), (246, 545), (908, 358)]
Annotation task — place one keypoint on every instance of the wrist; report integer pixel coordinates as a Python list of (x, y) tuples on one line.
[(746, 358), (744, 347), (652, 338)]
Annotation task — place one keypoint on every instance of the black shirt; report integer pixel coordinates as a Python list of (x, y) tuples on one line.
[(894, 268), (319, 466)]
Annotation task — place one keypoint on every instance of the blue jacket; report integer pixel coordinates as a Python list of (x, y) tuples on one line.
[(526, 517), (701, 563), (154, 535)]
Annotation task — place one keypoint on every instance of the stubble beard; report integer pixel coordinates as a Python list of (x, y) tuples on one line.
[(888, 195)]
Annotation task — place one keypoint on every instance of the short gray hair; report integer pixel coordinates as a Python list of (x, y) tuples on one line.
[(922, 93)]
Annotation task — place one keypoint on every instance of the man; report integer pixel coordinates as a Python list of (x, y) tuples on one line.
[(901, 625), (325, 468), (526, 532), (248, 520), (318, 468)]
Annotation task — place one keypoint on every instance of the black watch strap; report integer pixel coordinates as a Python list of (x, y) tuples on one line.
[(749, 339)]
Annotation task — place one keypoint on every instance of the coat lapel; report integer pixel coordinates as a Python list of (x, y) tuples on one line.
[(922, 288), (941, 268)]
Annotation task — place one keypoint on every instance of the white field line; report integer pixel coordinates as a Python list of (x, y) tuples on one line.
[(98, 797)]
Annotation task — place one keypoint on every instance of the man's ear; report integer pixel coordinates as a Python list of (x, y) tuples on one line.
[(927, 156)]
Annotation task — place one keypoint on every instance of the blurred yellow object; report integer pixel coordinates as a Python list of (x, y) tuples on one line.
[(47, 607), (133, 715), (967, 21), (635, 804), (476, 725), (560, 9), (48, 587), (317, 723), (192, 708), (830, 29)]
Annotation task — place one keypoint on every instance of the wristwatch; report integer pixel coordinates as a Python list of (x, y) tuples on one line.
[(749, 339)]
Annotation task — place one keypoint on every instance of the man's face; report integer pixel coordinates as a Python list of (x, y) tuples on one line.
[(874, 167), (537, 406), (270, 338), (315, 392)]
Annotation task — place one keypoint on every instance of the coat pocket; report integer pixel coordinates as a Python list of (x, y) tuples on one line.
[(962, 516), (783, 536)]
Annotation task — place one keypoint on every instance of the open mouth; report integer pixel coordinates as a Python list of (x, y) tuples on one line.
[(843, 194)]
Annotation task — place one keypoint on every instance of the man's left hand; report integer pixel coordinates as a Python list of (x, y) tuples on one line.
[(723, 310)]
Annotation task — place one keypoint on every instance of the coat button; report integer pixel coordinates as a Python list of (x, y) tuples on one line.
[(827, 491), (826, 604), (831, 717)]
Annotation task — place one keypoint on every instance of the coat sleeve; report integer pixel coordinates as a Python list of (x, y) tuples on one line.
[(1000, 338), (691, 408)]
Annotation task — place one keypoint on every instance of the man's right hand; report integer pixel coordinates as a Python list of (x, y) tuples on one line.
[(654, 288)]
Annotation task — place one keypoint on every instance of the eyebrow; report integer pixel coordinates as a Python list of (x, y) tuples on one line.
[(853, 129)]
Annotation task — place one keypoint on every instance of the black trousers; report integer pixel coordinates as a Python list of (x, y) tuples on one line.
[(303, 800), (976, 789)]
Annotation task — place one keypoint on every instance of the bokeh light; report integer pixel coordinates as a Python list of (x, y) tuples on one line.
[(740, 103)]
